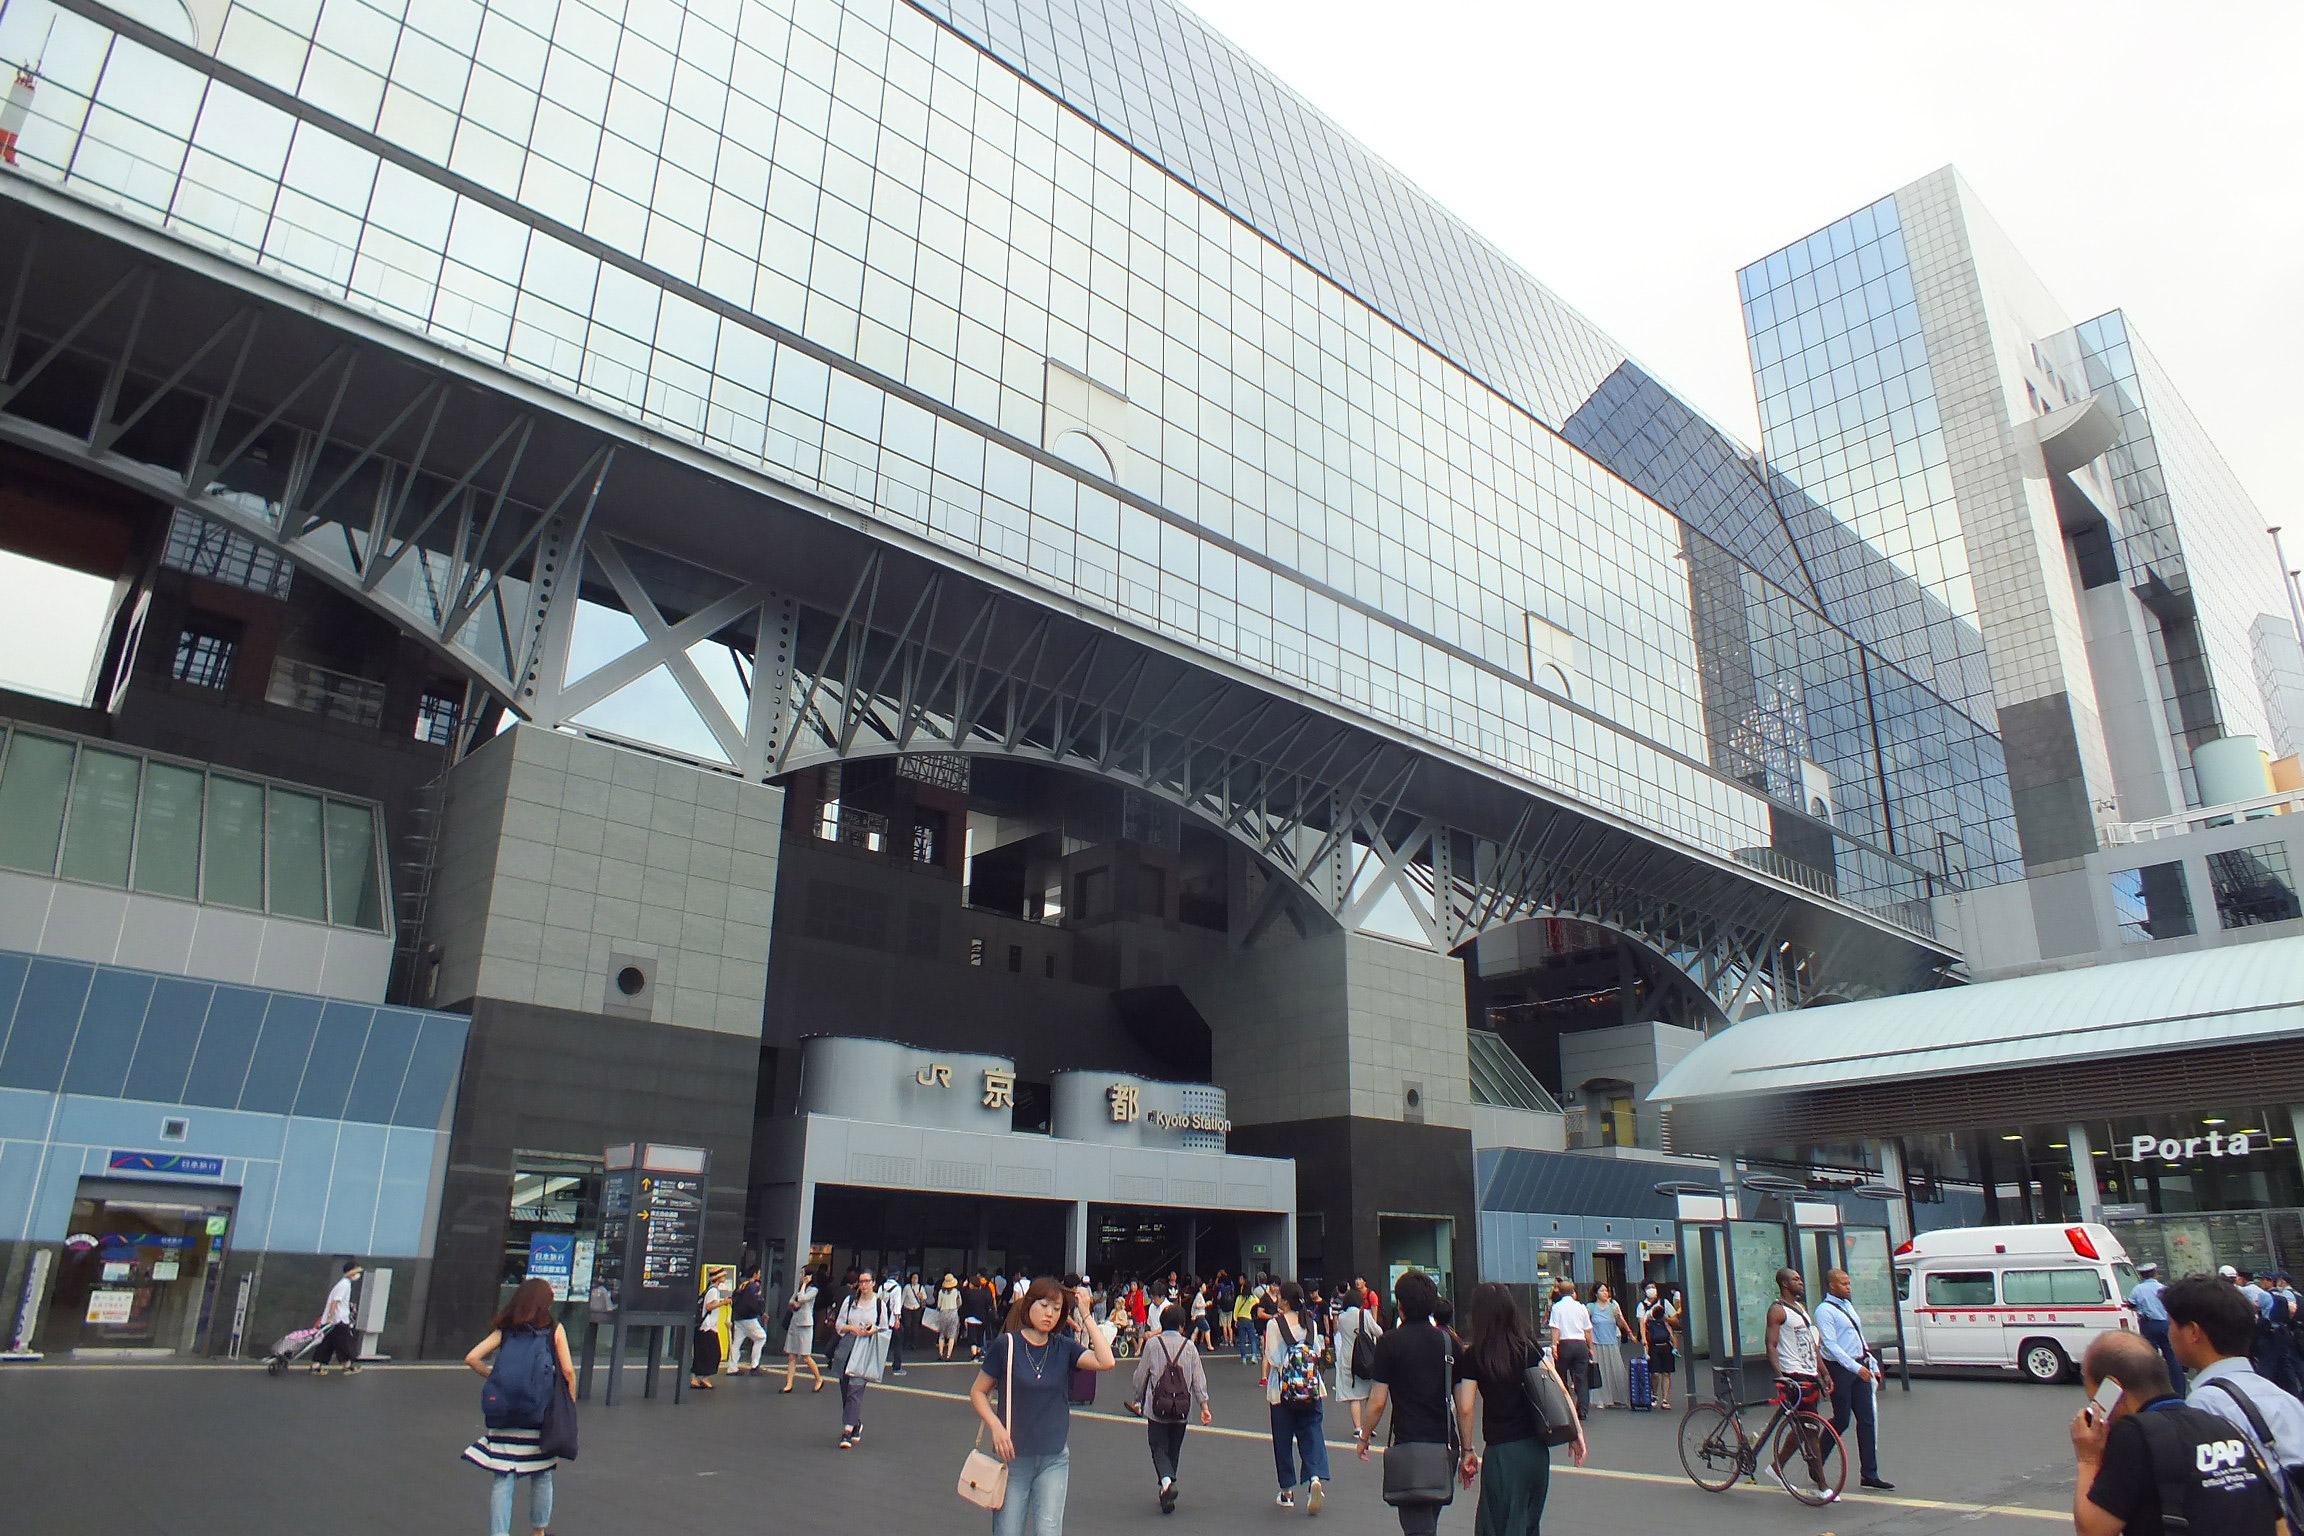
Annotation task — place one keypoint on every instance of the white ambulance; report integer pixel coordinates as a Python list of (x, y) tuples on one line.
[(2025, 1299)]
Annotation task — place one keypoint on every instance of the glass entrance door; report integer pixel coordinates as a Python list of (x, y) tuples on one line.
[(140, 1268)]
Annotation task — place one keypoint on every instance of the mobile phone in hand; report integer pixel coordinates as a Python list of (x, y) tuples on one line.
[(2107, 1397)]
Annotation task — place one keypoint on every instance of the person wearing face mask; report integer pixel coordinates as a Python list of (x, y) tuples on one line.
[(1655, 1323)]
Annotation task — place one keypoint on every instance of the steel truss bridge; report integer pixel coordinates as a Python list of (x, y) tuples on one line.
[(475, 509)]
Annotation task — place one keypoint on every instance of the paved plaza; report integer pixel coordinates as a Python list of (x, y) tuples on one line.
[(194, 1450)]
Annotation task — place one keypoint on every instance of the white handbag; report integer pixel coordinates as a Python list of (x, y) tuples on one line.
[(984, 1479)]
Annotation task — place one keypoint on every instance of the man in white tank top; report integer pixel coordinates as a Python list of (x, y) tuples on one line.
[(1793, 1342)]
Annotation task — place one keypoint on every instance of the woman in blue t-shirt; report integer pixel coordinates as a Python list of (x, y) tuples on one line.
[(1036, 1363)]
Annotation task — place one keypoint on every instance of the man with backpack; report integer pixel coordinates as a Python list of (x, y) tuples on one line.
[(1169, 1380), (750, 1303), (2211, 1327), (2151, 1463)]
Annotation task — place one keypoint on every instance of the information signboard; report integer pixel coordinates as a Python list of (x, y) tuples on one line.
[(552, 1257), (652, 1208), (1757, 1250)]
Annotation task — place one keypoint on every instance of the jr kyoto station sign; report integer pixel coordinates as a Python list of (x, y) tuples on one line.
[(1118, 1109), (898, 1084)]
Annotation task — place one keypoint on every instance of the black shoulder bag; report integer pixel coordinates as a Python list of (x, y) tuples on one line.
[(1417, 1471), (1555, 1410)]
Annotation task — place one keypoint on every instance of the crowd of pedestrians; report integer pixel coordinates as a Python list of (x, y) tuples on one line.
[(1398, 1364), (2227, 1455)]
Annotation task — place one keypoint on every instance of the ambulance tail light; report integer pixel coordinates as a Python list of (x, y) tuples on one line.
[(2082, 1243), (1904, 1248)]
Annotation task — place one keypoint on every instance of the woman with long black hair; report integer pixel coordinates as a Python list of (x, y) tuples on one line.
[(1516, 1471)]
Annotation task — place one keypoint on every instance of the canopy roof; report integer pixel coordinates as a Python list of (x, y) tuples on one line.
[(2241, 993)]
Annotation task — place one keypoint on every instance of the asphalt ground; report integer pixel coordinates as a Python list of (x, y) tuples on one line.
[(193, 1449)]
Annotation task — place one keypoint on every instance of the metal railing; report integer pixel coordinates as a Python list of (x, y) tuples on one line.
[(2282, 803)]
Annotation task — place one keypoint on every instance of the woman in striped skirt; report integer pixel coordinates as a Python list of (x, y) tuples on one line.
[(510, 1453)]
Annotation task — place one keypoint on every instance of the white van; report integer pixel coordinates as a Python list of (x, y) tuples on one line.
[(2026, 1299)]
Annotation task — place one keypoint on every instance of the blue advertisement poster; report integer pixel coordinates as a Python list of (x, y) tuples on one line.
[(552, 1256)]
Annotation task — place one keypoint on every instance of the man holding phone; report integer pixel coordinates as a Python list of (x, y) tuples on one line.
[(2137, 1447)]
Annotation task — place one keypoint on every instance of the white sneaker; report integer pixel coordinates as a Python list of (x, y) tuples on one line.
[(1313, 1496), (1287, 1499)]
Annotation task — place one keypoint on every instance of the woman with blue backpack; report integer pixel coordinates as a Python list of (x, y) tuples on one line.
[(1293, 1387), (1169, 1380), (524, 1361)]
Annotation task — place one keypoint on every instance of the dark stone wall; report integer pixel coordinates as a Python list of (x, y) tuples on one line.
[(556, 1080), (1348, 1170)]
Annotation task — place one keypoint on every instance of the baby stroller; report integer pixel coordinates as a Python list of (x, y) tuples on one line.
[(293, 1347)]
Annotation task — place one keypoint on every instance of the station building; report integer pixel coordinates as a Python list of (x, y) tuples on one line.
[(819, 540)]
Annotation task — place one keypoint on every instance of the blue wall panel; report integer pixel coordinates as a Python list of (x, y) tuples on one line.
[(252, 1224), (172, 1027), (47, 1014), (400, 1200), (109, 1025), (24, 1115), (307, 1163), (428, 1095), (351, 1214), (281, 1052), (227, 1042), (94, 1058), (19, 1169), (383, 1066)]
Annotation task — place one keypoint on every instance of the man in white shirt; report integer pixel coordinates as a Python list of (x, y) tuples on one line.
[(1855, 1373), (2212, 1326), (1572, 1345), (338, 1342)]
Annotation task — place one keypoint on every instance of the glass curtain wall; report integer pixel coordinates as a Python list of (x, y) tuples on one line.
[(77, 811)]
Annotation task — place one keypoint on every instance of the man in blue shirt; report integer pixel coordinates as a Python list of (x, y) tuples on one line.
[(2152, 1318), (2212, 1331), (1855, 1373)]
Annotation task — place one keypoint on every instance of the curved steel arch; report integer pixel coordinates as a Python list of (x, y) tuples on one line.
[(466, 516)]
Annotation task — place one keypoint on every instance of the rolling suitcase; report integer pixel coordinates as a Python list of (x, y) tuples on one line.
[(1643, 1388)]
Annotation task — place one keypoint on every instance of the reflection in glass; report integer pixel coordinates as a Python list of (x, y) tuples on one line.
[(34, 780), (168, 832), (233, 857), (103, 817)]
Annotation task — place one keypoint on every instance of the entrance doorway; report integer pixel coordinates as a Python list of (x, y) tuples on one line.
[(1409, 1242), (141, 1267)]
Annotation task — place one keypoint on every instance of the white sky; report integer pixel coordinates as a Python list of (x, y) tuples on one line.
[(1632, 157)]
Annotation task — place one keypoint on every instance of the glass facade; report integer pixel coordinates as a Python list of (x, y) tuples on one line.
[(2152, 903), (79, 811), (2189, 529), (2252, 885), (852, 245)]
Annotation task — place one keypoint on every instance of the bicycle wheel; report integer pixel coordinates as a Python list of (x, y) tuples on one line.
[(1814, 1461), (1713, 1447)]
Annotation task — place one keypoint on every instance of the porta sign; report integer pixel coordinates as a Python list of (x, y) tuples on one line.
[(2172, 1148)]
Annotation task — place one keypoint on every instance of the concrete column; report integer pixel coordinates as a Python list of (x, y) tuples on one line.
[(1191, 1243), (1076, 1237), (1900, 1208), (2084, 1173), (2296, 1129), (1728, 1183)]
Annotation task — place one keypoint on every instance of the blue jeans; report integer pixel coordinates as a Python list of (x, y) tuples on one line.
[(1296, 1429), (1035, 1502), (500, 1501)]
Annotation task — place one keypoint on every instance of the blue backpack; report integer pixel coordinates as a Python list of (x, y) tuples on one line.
[(520, 1381)]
